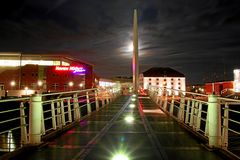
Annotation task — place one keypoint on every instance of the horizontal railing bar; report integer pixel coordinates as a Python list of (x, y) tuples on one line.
[(13, 119), (17, 109), (69, 92)]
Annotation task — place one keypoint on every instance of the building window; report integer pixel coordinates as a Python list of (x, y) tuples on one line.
[(179, 87), (165, 80), (179, 83), (65, 87), (32, 74), (150, 83), (157, 83), (172, 79), (178, 79), (157, 79), (150, 79), (172, 83)]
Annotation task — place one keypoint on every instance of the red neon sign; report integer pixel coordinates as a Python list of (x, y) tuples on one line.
[(74, 69)]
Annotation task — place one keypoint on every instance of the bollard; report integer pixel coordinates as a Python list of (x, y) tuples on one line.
[(35, 120), (214, 112)]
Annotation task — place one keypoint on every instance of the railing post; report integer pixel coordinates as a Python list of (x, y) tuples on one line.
[(43, 130), (23, 124), (63, 113), (192, 113), (165, 102), (199, 116), (69, 110), (103, 101), (107, 97), (187, 112), (35, 122), (77, 113), (161, 99), (181, 108), (195, 115), (53, 116), (96, 100), (58, 114), (225, 127), (172, 105), (89, 110), (214, 112)]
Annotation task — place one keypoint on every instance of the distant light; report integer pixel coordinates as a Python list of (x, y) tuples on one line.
[(12, 83), (129, 119), (70, 84), (80, 85), (40, 83), (26, 88), (120, 156), (134, 95), (131, 105), (133, 99)]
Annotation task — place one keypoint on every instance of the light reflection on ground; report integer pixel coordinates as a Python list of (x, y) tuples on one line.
[(158, 111)]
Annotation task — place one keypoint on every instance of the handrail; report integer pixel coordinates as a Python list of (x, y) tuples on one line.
[(216, 120)]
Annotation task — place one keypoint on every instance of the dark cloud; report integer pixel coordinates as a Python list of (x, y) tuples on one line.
[(199, 38)]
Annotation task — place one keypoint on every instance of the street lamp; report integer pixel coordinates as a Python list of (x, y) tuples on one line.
[(70, 84), (81, 85), (40, 83)]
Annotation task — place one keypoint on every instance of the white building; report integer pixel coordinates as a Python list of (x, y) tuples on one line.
[(163, 77)]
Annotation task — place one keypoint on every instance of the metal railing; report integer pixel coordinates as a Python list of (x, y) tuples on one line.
[(29, 120), (215, 119)]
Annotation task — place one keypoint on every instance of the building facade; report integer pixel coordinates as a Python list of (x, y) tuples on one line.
[(163, 77), (45, 73)]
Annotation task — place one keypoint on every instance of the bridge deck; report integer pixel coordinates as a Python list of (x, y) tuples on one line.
[(152, 135)]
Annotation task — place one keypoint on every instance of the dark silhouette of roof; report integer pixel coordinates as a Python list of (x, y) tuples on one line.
[(162, 72)]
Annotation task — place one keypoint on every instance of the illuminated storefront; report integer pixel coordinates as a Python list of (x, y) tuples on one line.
[(44, 73)]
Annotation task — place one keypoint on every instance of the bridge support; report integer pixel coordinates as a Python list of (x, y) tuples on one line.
[(35, 123), (214, 121)]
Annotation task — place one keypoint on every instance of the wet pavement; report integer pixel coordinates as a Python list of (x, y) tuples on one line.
[(140, 133)]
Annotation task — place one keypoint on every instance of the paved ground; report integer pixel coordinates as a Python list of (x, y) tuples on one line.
[(150, 136)]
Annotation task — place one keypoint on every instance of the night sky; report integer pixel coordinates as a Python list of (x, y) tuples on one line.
[(200, 38)]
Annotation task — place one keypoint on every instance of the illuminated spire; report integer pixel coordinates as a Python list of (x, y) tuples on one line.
[(135, 67)]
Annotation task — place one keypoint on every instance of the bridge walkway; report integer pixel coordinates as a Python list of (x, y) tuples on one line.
[(149, 134)]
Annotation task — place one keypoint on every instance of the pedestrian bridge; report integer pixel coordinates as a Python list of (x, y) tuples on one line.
[(104, 125)]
